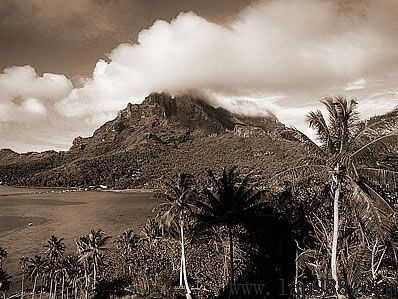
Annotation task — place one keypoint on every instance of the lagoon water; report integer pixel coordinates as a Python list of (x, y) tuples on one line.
[(29, 216)]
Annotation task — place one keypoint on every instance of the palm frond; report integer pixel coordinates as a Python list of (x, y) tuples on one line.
[(306, 257), (380, 177), (310, 145), (373, 215), (357, 264), (331, 107), (297, 174), (379, 200), (317, 122), (383, 144), (374, 131), (312, 160)]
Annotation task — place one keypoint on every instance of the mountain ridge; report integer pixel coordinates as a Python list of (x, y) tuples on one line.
[(161, 136)]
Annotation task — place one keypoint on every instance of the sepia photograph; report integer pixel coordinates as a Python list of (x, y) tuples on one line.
[(198, 149)]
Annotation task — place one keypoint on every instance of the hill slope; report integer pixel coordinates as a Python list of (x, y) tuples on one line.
[(162, 136)]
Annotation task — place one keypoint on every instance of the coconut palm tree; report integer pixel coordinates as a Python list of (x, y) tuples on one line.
[(127, 241), (3, 256), (346, 155), (64, 269), (5, 282), (174, 212), (55, 251), (55, 248), (23, 262), (73, 272), (151, 232), (227, 201), (36, 268), (90, 248)]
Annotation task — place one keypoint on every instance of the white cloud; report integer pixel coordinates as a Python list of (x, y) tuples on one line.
[(25, 96), (281, 55), (357, 84), (301, 46), (34, 106)]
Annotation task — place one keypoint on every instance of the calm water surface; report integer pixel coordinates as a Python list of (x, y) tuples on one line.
[(64, 214)]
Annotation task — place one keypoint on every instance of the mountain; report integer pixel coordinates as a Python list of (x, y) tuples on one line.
[(161, 136), (164, 120)]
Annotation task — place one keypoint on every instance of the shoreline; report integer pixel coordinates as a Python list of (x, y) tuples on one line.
[(35, 190)]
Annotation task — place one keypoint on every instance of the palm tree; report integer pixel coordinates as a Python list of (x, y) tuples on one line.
[(90, 248), (73, 272), (55, 251), (179, 197), (127, 241), (151, 232), (227, 201), (23, 262), (64, 270), (346, 156), (35, 269), (5, 282), (3, 256), (55, 248)]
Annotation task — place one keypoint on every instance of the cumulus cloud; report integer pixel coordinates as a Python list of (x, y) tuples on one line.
[(280, 55), (273, 46), (25, 96)]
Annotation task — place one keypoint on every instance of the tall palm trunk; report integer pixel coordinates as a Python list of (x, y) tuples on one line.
[(95, 274), (22, 285), (334, 262), (181, 266), (231, 255), (75, 286), (184, 267), (34, 287), (335, 234), (41, 288), (296, 274), (51, 286), (63, 286), (55, 286), (86, 286)]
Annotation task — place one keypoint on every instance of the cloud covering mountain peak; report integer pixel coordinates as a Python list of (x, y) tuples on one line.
[(299, 50)]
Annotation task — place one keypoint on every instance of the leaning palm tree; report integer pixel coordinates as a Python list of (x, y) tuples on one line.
[(90, 248), (5, 282), (228, 201), (346, 155), (36, 268), (23, 262), (176, 209), (3, 256)]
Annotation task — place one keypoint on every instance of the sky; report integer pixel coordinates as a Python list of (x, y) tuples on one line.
[(67, 67)]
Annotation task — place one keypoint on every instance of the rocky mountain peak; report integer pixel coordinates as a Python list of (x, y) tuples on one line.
[(165, 119)]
